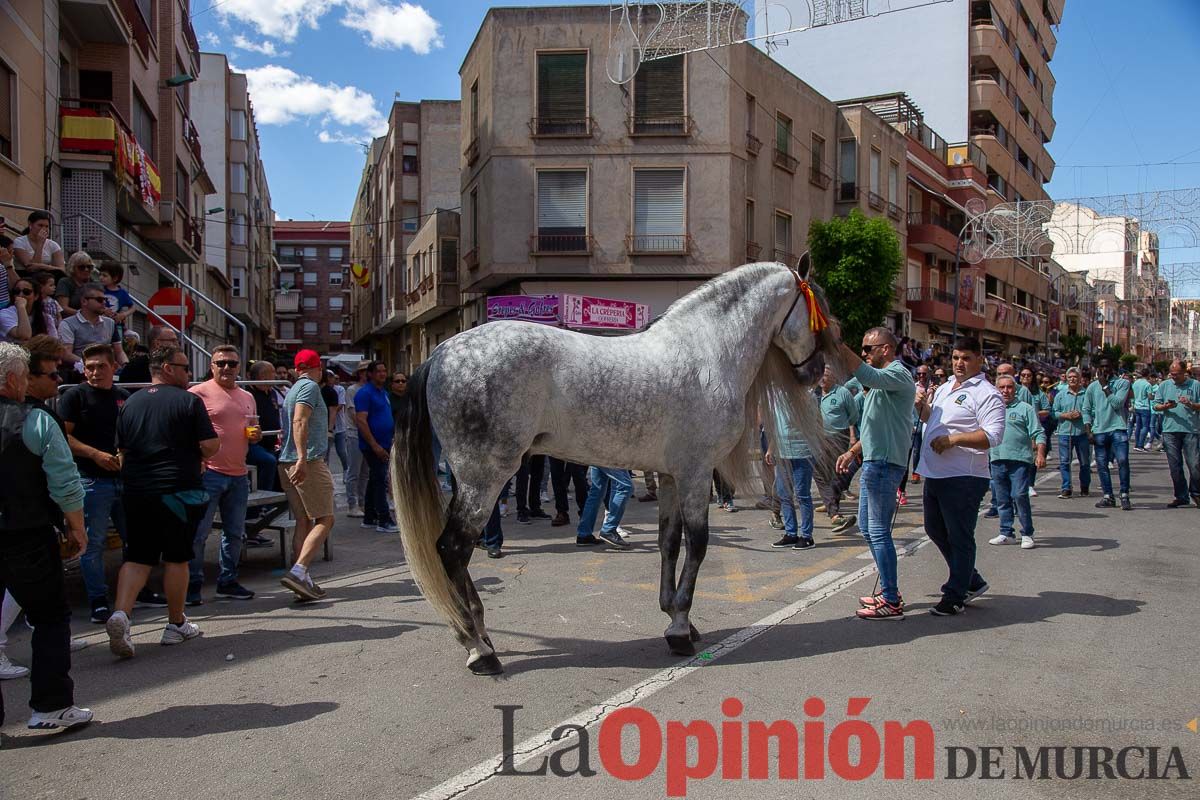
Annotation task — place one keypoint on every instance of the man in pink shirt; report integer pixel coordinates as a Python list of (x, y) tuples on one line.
[(225, 477)]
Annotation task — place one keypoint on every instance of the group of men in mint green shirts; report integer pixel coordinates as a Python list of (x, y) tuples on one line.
[(1178, 399)]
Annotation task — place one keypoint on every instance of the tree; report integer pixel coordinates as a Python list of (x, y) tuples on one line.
[(1128, 361), (1162, 367), (856, 261), (1112, 352), (1074, 347)]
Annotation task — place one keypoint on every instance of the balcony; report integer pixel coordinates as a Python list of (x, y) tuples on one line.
[(197, 234), (928, 304), (561, 127), (137, 13), (875, 201), (894, 211), (673, 244), (819, 178), (753, 144), (96, 130), (753, 249), (472, 151), (784, 257), (679, 125), (96, 20), (471, 259), (931, 233), (287, 302), (193, 140), (436, 294), (785, 161), (572, 244), (189, 33)]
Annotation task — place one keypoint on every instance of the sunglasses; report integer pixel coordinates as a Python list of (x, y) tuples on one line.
[(54, 376), (97, 299), (867, 348), (24, 292), (185, 367), (226, 364)]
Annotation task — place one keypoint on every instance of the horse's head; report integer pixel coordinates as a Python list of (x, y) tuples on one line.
[(805, 335)]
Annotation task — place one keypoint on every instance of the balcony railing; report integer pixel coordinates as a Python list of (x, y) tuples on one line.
[(287, 303), (753, 144), (140, 23), (471, 259), (847, 192), (818, 177), (659, 126), (189, 33), (560, 127), (198, 236), (571, 244), (753, 249), (192, 137), (785, 161), (658, 244), (926, 294), (472, 151), (920, 218), (894, 211), (875, 201), (784, 257)]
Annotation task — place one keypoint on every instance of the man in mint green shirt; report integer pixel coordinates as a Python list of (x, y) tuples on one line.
[(1142, 389), (1179, 402), (840, 416), (1013, 463), (1072, 436), (1156, 416), (1104, 413), (885, 439)]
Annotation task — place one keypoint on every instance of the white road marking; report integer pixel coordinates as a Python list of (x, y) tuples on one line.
[(865, 555), (817, 581)]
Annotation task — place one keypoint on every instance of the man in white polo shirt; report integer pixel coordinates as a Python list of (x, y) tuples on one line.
[(964, 418)]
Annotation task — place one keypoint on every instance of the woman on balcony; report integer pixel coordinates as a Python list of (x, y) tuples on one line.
[(34, 249)]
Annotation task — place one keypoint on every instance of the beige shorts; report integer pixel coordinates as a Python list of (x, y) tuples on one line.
[(313, 498)]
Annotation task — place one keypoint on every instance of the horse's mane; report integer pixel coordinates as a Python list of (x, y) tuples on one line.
[(723, 291)]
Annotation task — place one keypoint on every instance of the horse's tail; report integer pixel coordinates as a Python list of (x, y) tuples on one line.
[(419, 502)]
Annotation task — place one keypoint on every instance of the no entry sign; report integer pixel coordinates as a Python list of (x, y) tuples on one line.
[(172, 307)]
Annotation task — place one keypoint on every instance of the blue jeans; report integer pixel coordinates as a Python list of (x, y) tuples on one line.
[(493, 534), (1082, 448), (267, 466), (1141, 426), (228, 493), (1010, 479), (101, 503), (878, 485), (1110, 446), (375, 505), (951, 511), (1155, 426), (1183, 449), (600, 478), (793, 487), (339, 444)]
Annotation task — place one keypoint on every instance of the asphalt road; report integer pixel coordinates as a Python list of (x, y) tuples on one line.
[(1080, 642)]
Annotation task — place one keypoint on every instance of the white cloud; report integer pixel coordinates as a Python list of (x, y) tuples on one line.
[(266, 47), (393, 26), (336, 137), (210, 39), (282, 96), (384, 24)]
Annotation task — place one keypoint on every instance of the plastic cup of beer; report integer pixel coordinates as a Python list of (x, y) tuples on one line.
[(252, 427)]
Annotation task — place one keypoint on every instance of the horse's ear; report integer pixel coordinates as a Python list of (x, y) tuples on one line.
[(804, 266)]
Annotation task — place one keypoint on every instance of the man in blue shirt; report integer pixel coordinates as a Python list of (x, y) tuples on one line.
[(376, 426), (1142, 390)]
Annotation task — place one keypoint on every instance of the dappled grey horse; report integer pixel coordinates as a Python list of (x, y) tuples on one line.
[(681, 398)]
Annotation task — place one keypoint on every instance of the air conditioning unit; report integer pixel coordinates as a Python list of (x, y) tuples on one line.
[(166, 211), (930, 260)]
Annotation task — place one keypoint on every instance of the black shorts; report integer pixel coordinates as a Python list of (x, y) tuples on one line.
[(154, 532)]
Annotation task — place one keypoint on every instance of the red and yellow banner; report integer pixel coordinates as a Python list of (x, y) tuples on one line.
[(87, 131)]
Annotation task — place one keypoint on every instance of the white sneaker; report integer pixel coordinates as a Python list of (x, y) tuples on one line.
[(78, 644), (354, 512), (62, 719), (1027, 543), (624, 533), (1001, 539), (177, 634), (119, 640), (1032, 492), (10, 671), (389, 528)]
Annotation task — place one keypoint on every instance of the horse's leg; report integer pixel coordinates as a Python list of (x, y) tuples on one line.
[(693, 505), (464, 525), (670, 535)]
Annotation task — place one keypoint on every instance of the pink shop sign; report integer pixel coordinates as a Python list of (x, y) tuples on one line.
[(579, 311), (542, 308)]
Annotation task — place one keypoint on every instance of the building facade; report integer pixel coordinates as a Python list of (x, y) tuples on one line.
[(312, 299)]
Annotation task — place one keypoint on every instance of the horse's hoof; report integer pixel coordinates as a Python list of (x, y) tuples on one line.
[(486, 665), (694, 633), (681, 645)]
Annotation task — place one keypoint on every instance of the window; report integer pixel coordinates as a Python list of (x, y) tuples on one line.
[(237, 124), (8, 110), (659, 105), (561, 210), (783, 134), (751, 107), (310, 329), (95, 84), (310, 279), (876, 158), (659, 211), (992, 285), (411, 214), (408, 161), (335, 279), (143, 125), (287, 329), (847, 170), (310, 252), (335, 327), (562, 101), (310, 304), (181, 91), (336, 254), (817, 162), (237, 279), (335, 303), (237, 177), (183, 189), (474, 211), (783, 237), (237, 229), (893, 183), (449, 257), (750, 221)]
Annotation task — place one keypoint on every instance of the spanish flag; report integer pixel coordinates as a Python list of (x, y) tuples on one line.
[(87, 131)]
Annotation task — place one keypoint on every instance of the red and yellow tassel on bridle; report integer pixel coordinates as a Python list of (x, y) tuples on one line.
[(817, 321)]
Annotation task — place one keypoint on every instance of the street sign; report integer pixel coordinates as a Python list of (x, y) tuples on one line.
[(172, 307)]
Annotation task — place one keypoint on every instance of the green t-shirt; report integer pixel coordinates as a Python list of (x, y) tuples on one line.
[(886, 426), (1180, 419), (1024, 395), (1065, 401), (307, 392), (838, 409), (1022, 429), (1106, 414), (1142, 389)]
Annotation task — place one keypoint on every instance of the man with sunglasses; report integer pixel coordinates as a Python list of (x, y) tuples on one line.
[(226, 478), (89, 326), (885, 438), (163, 437), (90, 412)]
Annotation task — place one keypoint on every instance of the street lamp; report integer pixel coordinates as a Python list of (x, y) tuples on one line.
[(972, 221)]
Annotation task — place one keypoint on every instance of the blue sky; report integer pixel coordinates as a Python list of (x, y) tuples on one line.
[(324, 73)]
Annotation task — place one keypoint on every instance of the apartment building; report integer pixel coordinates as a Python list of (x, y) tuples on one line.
[(24, 137), (638, 193), (412, 171), (313, 298), (239, 262), (433, 306)]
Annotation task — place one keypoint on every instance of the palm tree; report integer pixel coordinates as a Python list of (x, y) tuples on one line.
[(1074, 347)]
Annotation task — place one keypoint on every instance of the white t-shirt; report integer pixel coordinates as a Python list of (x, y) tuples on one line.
[(975, 405), (49, 249), (8, 321), (339, 422)]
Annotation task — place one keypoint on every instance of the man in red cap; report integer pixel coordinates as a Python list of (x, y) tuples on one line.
[(303, 473)]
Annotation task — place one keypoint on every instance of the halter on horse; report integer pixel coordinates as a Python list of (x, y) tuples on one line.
[(740, 349)]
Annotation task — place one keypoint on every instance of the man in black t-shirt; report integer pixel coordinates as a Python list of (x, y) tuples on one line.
[(163, 434), (89, 411)]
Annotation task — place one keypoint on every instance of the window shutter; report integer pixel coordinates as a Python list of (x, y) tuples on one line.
[(6, 110), (783, 233), (562, 90), (562, 202), (659, 97), (658, 208)]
